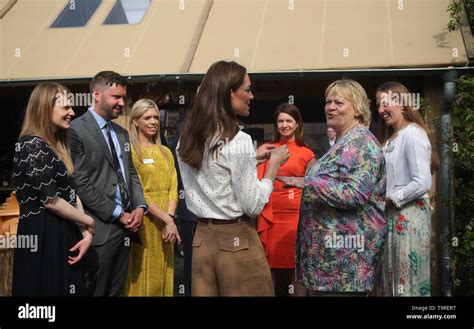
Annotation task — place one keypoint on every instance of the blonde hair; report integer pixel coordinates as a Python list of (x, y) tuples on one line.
[(355, 94), (37, 120), (138, 110)]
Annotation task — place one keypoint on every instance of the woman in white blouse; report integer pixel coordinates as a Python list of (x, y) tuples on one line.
[(218, 169), (410, 160)]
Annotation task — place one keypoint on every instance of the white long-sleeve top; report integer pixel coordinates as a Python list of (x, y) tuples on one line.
[(226, 186), (408, 159)]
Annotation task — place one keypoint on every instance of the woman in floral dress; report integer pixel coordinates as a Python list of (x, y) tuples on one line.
[(342, 225)]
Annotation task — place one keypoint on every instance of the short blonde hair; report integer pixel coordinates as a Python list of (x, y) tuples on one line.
[(355, 94)]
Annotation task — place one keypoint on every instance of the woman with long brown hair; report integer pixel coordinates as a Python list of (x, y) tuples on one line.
[(51, 214), (151, 269), (218, 167), (410, 160)]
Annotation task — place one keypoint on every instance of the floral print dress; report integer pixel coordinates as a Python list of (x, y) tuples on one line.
[(406, 254), (342, 225)]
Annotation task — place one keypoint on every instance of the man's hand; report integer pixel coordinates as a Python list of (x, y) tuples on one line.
[(136, 219), (126, 220), (263, 152)]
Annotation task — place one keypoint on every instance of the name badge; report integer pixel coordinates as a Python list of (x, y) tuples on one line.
[(148, 161)]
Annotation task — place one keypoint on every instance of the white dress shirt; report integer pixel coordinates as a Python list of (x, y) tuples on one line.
[(408, 160), (226, 186)]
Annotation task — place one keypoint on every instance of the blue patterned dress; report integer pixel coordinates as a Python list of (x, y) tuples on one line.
[(342, 225)]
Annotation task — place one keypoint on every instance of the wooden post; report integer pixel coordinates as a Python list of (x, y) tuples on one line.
[(8, 227), (6, 270)]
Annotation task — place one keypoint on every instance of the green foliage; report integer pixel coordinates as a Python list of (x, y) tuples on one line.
[(455, 9), (463, 201)]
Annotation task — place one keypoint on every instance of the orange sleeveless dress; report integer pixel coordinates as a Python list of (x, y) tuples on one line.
[(278, 221)]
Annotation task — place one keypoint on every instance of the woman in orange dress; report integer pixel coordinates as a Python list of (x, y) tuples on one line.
[(278, 222)]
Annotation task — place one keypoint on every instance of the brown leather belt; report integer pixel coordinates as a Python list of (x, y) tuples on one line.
[(215, 221)]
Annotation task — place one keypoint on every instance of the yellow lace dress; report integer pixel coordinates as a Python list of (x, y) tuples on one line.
[(150, 271)]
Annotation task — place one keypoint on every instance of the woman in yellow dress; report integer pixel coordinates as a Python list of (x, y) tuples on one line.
[(150, 271)]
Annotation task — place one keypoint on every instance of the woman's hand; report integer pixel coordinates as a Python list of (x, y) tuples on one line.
[(280, 155), (263, 152), (82, 246), (90, 226), (291, 181), (170, 232)]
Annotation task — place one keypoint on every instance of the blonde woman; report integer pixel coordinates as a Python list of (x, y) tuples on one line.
[(342, 225), (151, 264), (51, 214)]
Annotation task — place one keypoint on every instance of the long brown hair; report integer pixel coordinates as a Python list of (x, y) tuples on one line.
[(292, 111), (411, 115), (37, 120), (138, 110), (211, 118)]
